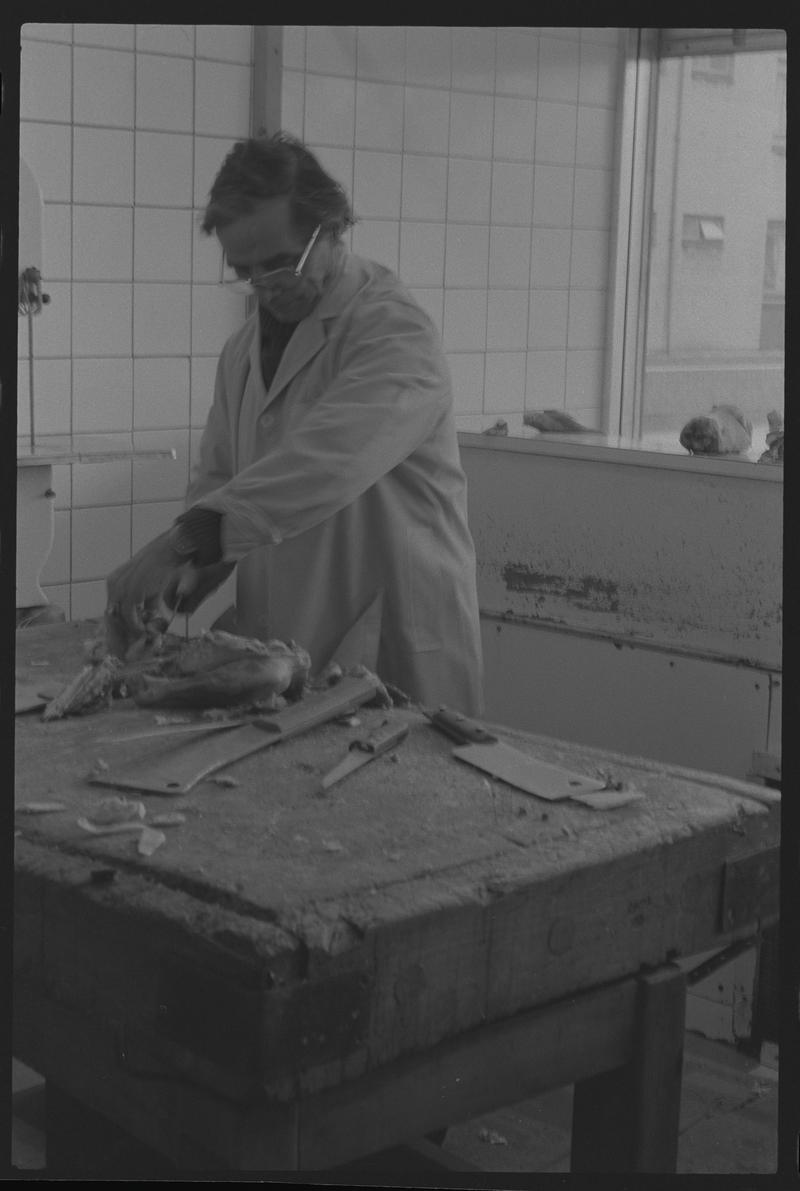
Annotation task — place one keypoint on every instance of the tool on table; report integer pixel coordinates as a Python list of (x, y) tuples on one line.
[(484, 750), (365, 749), (195, 729), (179, 769)]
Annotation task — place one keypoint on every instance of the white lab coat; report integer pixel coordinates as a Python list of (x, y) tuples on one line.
[(343, 497)]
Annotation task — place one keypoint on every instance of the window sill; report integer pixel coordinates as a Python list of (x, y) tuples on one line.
[(620, 450)]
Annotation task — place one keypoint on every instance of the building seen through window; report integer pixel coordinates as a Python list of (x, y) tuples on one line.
[(716, 286)]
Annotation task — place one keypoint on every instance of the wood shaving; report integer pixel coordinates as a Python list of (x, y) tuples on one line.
[(224, 779)]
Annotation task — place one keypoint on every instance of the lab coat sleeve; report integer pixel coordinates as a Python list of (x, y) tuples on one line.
[(390, 390), (214, 466)]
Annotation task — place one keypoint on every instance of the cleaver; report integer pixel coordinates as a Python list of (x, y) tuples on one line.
[(481, 748), (177, 769)]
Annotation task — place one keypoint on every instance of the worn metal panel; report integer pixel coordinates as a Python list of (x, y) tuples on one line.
[(683, 560), (682, 710)]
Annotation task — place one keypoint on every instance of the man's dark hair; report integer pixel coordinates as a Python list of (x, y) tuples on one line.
[(263, 167)]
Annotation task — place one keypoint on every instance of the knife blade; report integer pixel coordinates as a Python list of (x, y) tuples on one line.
[(485, 751), (362, 750)]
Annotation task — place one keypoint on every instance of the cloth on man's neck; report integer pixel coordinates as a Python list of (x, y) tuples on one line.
[(274, 337)]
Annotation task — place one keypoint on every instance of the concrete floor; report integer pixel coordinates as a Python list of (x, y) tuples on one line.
[(728, 1120)]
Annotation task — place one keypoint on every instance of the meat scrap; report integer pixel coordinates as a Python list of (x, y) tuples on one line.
[(222, 669), (774, 451), (724, 431), (89, 690), (555, 421), (217, 673)]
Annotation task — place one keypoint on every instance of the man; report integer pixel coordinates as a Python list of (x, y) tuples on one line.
[(328, 471)]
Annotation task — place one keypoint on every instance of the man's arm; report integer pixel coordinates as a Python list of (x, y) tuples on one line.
[(391, 390)]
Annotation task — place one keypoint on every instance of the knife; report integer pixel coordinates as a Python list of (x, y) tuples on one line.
[(364, 749), (481, 748), (177, 769)]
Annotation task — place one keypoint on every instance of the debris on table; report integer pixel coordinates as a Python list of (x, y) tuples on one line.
[(332, 845), (224, 779), (40, 808), (499, 428), (109, 828), (399, 698), (329, 676), (611, 783), (609, 799), (91, 689), (492, 1137), (150, 841), (168, 819), (115, 808), (381, 698)]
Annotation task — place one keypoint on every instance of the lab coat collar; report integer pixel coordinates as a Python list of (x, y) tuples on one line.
[(312, 332)]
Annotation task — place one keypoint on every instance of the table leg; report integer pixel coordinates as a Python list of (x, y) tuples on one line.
[(82, 1142), (627, 1119)]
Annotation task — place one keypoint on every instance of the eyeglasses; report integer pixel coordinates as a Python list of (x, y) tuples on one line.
[(256, 281)]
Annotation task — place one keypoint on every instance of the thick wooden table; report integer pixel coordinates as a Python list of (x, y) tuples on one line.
[(293, 982)]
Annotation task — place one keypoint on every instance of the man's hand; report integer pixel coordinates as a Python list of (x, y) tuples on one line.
[(195, 585), (137, 606)]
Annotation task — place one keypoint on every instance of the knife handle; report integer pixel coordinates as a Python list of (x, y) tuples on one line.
[(459, 727), (381, 741)]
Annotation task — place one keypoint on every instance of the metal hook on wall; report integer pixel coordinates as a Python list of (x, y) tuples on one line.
[(30, 300)]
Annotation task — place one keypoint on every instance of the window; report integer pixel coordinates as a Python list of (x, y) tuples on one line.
[(703, 230), (702, 319)]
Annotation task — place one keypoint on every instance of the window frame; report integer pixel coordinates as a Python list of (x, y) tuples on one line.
[(633, 225)]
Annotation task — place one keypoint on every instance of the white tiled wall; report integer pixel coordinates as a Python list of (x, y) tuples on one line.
[(124, 127), (480, 165)]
